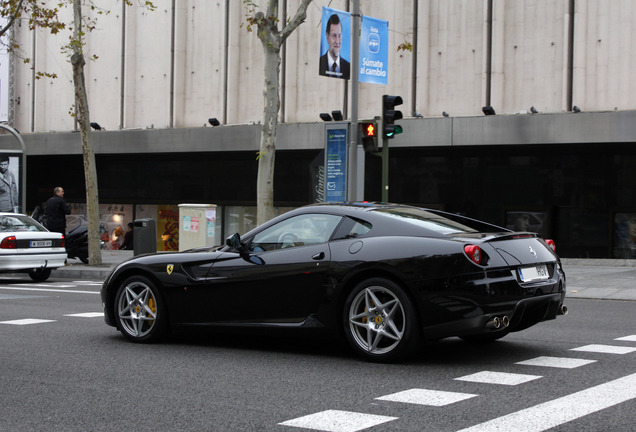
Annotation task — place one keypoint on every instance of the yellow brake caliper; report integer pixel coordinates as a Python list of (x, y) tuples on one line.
[(153, 308)]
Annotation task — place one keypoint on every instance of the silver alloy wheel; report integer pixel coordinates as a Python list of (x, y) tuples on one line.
[(377, 320), (137, 309)]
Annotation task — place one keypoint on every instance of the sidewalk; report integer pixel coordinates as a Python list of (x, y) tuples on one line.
[(586, 278), (79, 271)]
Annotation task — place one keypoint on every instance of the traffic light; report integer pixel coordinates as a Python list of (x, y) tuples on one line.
[(369, 134), (390, 114)]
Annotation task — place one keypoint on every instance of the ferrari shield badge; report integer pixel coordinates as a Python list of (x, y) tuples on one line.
[(169, 268)]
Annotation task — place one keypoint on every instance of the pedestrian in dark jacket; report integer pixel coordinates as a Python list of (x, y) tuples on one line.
[(56, 211), (128, 238)]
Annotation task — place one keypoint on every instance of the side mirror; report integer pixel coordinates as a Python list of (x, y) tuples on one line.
[(234, 241)]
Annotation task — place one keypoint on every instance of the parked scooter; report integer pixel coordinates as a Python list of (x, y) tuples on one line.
[(77, 243)]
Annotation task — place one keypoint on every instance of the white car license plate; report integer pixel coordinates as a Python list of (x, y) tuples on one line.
[(534, 273), (41, 243)]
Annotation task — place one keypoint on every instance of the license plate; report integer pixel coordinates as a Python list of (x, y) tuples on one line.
[(534, 273), (41, 243)]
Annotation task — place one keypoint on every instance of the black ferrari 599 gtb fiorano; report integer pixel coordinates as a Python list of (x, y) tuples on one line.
[(384, 276)]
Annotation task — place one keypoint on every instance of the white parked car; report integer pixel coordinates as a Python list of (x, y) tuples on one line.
[(28, 247)]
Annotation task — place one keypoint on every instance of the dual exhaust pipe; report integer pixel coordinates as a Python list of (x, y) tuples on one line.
[(497, 323)]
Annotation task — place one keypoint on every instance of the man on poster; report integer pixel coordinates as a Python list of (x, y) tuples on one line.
[(8, 187), (331, 62)]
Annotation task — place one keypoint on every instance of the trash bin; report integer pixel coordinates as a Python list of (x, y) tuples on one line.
[(144, 236)]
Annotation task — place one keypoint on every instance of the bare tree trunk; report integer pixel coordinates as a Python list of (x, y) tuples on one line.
[(271, 92), (83, 118), (272, 40)]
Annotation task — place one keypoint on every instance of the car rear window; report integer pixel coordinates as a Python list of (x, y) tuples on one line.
[(18, 223), (427, 220)]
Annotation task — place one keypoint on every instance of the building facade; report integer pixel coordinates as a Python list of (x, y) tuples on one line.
[(564, 171)]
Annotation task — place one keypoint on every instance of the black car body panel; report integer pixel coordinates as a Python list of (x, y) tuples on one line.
[(263, 284)]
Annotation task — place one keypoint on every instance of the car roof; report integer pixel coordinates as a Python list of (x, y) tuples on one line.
[(384, 224)]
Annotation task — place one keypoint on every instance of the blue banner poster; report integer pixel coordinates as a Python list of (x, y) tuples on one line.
[(374, 51), (335, 44), (336, 165)]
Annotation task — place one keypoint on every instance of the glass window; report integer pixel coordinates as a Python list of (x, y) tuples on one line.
[(18, 223), (299, 230), (352, 228), (428, 220)]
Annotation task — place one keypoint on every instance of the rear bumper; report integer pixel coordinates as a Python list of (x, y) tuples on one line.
[(17, 262), (511, 318), (480, 304)]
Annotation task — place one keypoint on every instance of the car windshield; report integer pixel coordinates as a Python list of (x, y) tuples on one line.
[(13, 223), (427, 220)]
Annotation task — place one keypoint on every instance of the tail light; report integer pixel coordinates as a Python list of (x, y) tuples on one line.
[(474, 253), (551, 243), (9, 243), (63, 244)]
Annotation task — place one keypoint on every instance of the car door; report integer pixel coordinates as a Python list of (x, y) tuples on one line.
[(282, 277)]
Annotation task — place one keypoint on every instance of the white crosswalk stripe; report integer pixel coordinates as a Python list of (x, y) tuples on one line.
[(86, 315), (338, 421), (533, 419), (427, 397), (26, 321), (564, 409), (606, 349), (501, 378), (631, 338), (556, 362)]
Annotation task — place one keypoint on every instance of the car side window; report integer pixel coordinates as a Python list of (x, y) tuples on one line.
[(352, 228), (296, 231)]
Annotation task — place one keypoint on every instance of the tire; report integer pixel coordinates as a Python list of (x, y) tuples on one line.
[(384, 333), (140, 313), (40, 275)]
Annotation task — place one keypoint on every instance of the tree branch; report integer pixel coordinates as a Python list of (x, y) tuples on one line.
[(299, 18), (12, 18)]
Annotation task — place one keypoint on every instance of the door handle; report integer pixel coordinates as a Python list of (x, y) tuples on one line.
[(318, 256)]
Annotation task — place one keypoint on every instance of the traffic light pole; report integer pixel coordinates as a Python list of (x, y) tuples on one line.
[(355, 168), (385, 169)]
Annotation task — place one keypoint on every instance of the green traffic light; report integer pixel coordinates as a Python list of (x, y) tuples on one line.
[(393, 130)]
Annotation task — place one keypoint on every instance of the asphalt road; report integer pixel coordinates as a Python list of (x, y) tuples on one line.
[(67, 371)]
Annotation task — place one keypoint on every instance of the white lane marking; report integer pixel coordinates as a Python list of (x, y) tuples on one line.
[(26, 321), (631, 338), (427, 397), (338, 421), (562, 410), (556, 362), (48, 290), (46, 285), (86, 315), (606, 349), (502, 378)]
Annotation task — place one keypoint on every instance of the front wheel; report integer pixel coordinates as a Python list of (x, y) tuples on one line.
[(139, 310), (40, 274), (380, 322)]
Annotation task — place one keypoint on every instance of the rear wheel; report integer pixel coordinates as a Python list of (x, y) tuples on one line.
[(40, 274), (139, 310), (380, 322)]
